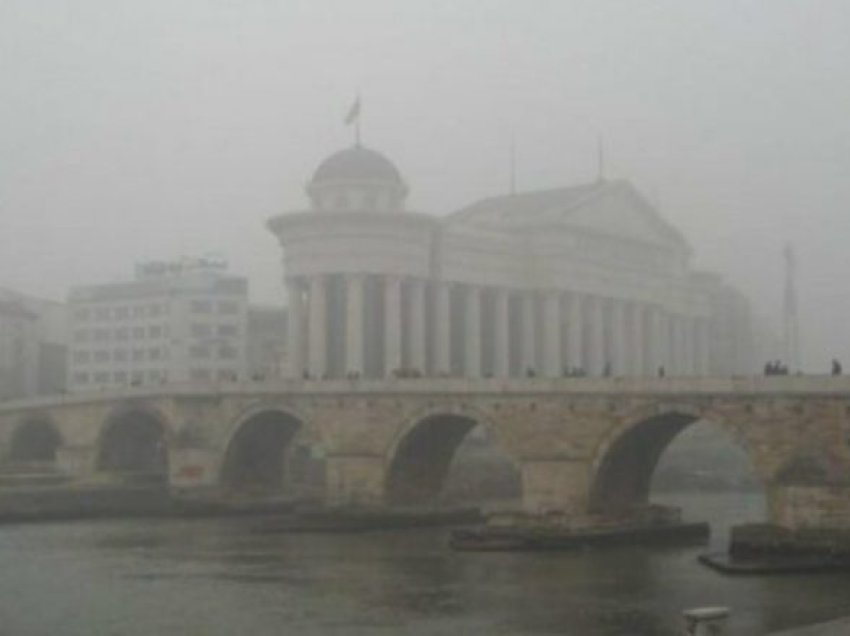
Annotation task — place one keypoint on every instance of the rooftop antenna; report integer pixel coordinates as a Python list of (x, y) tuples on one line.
[(353, 117), (513, 166), (600, 159), (791, 317)]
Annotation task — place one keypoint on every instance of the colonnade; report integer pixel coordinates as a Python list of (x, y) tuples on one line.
[(384, 325)]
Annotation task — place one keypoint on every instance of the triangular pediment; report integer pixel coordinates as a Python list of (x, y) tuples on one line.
[(613, 208), (622, 212)]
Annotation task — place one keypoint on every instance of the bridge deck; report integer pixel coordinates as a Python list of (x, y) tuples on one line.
[(738, 386)]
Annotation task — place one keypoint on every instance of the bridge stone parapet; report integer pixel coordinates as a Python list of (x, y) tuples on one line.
[(581, 444)]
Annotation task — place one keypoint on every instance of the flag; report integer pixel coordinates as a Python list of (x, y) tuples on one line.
[(353, 112)]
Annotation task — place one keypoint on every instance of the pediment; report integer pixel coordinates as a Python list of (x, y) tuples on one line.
[(621, 212)]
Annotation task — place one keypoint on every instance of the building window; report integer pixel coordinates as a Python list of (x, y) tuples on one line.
[(101, 377), (139, 333), (199, 352), (138, 355), (101, 335), (155, 310), (154, 376), (226, 352), (81, 335), (200, 374), (155, 331), (201, 306), (102, 313), (138, 311), (122, 313), (81, 356), (120, 377), (201, 331), (119, 355), (227, 330), (82, 314), (228, 308), (101, 356), (122, 333), (153, 354), (81, 378), (136, 378)]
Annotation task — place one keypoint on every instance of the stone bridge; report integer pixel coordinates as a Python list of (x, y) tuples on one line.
[(581, 445)]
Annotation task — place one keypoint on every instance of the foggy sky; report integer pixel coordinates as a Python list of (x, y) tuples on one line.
[(142, 130)]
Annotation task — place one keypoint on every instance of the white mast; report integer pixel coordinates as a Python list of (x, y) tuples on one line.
[(791, 317)]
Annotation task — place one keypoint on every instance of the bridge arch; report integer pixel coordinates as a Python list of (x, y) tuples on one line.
[(625, 460), (420, 456), (35, 439), (260, 453), (134, 439)]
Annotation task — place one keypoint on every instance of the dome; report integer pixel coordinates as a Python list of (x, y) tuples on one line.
[(357, 164)]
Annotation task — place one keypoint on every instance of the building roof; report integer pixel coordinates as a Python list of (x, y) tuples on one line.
[(614, 207), (357, 163)]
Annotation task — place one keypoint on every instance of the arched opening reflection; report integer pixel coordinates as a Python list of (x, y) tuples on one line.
[(449, 460), (35, 441), (134, 442), (265, 456), (676, 464)]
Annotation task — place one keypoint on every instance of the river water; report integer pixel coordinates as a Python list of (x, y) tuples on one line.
[(218, 577)]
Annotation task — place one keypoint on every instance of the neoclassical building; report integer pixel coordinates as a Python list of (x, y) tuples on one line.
[(582, 279)]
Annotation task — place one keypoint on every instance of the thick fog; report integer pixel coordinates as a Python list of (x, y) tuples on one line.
[(143, 130)]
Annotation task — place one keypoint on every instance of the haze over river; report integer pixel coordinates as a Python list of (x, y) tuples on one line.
[(211, 577)]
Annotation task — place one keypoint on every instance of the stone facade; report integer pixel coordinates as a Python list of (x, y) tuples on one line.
[(582, 445), (586, 280)]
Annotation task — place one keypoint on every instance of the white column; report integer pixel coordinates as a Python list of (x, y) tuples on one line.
[(641, 359), (472, 335), (618, 338), (702, 347), (653, 357), (574, 332), (527, 328), (664, 344), (392, 324), (295, 328), (679, 338), (417, 325), (596, 350), (552, 335), (442, 329), (690, 344), (354, 324), (317, 326), (501, 335)]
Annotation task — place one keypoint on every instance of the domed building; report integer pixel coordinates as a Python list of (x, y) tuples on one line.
[(587, 279)]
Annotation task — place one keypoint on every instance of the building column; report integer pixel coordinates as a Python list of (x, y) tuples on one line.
[(596, 349), (639, 348), (317, 327), (354, 324), (527, 327), (552, 335), (472, 335), (679, 345), (295, 328), (702, 347), (392, 325), (690, 345), (442, 328), (501, 335), (664, 345), (574, 333), (652, 352), (619, 354), (417, 325)]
